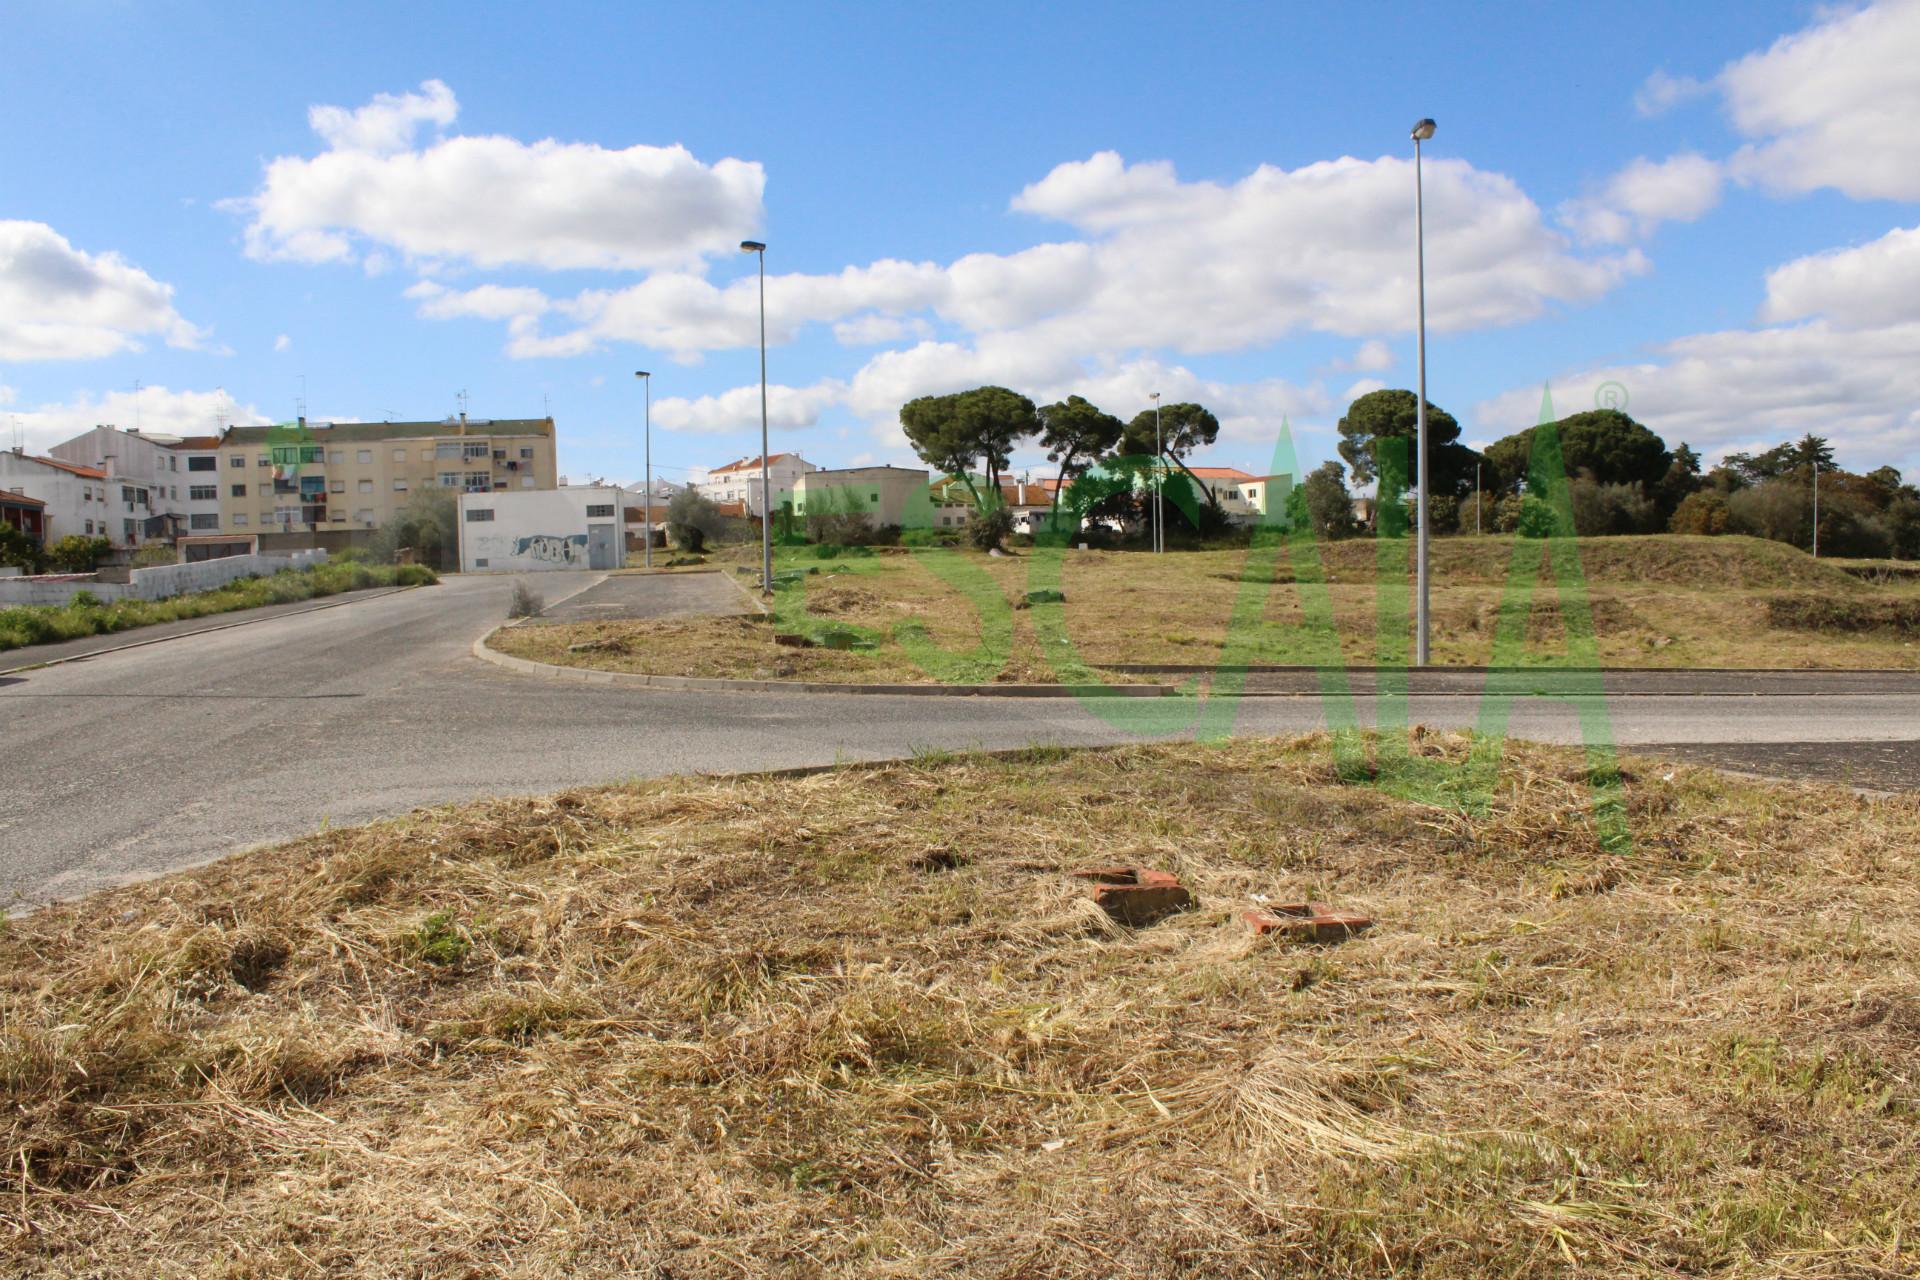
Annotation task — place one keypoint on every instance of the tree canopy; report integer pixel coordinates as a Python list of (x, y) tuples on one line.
[(1076, 433), (1393, 415), (953, 433), (1183, 428), (1603, 443)]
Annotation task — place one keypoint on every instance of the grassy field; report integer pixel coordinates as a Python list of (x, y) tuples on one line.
[(863, 1024), (1652, 601), (25, 625)]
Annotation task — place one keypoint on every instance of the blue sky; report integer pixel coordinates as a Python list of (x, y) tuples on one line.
[(1209, 200)]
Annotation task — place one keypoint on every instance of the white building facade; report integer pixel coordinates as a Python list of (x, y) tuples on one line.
[(79, 499), (740, 481), (576, 527)]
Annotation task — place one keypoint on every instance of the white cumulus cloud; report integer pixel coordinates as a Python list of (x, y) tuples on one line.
[(1644, 194), (1833, 105), (157, 410), (62, 303), (493, 201), (788, 408), (1874, 284)]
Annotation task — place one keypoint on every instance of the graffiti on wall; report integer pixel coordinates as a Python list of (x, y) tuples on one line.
[(553, 548)]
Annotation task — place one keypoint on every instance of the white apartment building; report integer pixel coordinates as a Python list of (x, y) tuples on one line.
[(179, 473), (79, 499), (740, 481)]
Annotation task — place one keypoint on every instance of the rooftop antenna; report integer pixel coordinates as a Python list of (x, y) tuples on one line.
[(462, 397), (136, 405), (220, 413), (301, 403)]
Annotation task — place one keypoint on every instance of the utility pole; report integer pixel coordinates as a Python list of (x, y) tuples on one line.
[(646, 382), (1816, 508), (1159, 481), (1421, 132)]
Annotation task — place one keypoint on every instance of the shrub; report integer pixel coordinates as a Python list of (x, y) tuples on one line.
[(18, 550), (153, 555), (1705, 512), (930, 538), (77, 553), (525, 602), (987, 529), (1536, 518), (1600, 510)]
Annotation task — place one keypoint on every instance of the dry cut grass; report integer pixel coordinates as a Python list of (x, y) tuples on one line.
[(1652, 602), (862, 1024)]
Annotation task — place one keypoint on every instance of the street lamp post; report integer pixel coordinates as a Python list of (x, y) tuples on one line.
[(1159, 458), (1421, 132), (766, 496), (1816, 508), (646, 383)]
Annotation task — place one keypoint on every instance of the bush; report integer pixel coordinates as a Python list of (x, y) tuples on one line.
[(154, 555), (1445, 516), (1704, 512), (1536, 518), (525, 602), (1601, 510), (77, 553), (930, 538), (987, 529), (18, 550)]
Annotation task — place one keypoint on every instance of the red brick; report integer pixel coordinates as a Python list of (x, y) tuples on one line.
[(1308, 921), (1136, 896)]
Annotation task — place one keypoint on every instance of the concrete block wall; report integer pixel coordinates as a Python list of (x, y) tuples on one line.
[(157, 583)]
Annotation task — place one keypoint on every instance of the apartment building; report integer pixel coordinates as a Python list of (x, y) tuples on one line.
[(881, 494), (351, 477), (160, 465), (77, 499), (740, 481)]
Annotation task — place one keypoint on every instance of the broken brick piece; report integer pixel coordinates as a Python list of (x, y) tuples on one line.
[(1308, 921), (1136, 896)]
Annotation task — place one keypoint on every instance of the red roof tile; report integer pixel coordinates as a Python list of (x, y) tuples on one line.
[(90, 473)]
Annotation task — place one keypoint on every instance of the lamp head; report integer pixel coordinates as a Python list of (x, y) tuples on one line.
[(1154, 396), (641, 373), (1423, 130), (752, 246)]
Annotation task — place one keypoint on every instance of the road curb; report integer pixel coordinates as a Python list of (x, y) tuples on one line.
[(700, 684), (355, 598)]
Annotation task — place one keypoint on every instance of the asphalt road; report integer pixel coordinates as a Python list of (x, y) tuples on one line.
[(129, 764)]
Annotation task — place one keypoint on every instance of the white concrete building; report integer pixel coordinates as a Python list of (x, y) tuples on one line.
[(79, 499), (159, 464), (578, 527), (740, 481), (881, 494)]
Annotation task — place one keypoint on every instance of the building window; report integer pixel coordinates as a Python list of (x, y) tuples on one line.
[(482, 480), (86, 493), (237, 460), (366, 486), (337, 457), (239, 491), (339, 513), (475, 515), (239, 519), (480, 562), (399, 486), (364, 517), (339, 486), (526, 482), (210, 521), (526, 453), (207, 463), (129, 529), (447, 449), (291, 455), (364, 456), (475, 450), (263, 461), (203, 492), (399, 455), (599, 511), (89, 528)]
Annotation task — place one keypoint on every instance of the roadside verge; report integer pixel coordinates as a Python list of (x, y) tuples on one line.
[(707, 684)]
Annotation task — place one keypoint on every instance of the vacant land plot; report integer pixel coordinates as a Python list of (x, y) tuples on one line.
[(864, 1024), (961, 616)]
